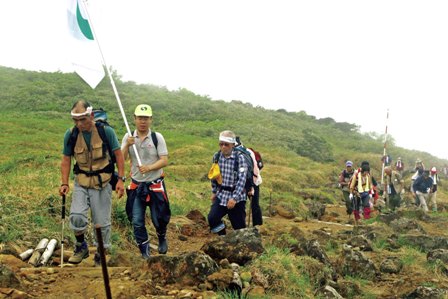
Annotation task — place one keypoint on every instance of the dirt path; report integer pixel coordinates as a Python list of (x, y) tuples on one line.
[(128, 274)]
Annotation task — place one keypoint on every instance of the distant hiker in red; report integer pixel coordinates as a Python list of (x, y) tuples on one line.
[(361, 190), (344, 184)]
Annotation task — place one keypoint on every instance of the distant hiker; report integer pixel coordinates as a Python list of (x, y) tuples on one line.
[(418, 165), (433, 195), (93, 171), (361, 190), (257, 217), (422, 188), (394, 188), (147, 187), (344, 184), (399, 166), (229, 197), (387, 160)]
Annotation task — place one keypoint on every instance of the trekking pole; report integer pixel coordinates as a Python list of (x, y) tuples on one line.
[(250, 211), (103, 260), (62, 231)]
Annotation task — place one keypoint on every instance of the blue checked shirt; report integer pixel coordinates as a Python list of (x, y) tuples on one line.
[(230, 178)]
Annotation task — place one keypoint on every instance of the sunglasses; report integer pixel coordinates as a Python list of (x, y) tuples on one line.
[(224, 144)]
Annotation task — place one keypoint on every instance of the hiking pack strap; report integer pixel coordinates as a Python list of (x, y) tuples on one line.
[(154, 139), (102, 133)]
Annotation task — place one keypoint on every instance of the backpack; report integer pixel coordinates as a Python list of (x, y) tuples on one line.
[(258, 158), (240, 150)]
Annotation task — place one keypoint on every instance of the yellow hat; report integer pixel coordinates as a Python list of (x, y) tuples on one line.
[(143, 110)]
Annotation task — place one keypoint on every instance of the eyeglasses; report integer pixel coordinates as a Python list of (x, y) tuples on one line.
[(224, 144)]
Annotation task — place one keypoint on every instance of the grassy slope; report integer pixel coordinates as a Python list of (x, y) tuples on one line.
[(34, 117)]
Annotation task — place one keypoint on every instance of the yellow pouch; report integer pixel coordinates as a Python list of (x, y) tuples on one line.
[(215, 173)]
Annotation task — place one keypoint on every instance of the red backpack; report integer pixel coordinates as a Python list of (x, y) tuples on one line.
[(258, 158)]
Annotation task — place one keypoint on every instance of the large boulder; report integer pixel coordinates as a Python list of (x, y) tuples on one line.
[(239, 246), (189, 269)]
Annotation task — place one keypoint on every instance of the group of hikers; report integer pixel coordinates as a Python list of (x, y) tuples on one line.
[(361, 191), (95, 148)]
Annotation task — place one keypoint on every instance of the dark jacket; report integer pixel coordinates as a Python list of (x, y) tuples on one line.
[(423, 184)]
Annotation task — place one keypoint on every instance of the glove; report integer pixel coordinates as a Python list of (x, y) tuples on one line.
[(370, 196), (350, 196), (402, 191), (428, 190)]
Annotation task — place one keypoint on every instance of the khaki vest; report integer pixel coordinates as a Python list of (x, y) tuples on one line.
[(91, 160)]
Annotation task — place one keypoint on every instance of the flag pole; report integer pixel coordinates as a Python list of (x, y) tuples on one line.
[(117, 96), (384, 149)]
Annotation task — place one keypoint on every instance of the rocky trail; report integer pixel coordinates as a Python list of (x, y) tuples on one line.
[(173, 276)]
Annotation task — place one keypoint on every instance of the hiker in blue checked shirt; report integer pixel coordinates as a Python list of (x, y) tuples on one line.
[(230, 197)]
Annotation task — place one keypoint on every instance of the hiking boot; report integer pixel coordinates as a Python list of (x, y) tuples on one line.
[(163, 245), (81, 252), (144, 249)]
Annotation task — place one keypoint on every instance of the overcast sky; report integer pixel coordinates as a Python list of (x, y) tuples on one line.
[(348, 60)]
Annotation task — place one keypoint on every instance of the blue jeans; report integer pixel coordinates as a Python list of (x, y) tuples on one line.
[(160, 213)]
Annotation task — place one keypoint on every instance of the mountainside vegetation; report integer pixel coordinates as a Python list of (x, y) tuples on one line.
[(303, 155)]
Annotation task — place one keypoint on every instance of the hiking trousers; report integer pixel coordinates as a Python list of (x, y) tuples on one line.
[(394, 201), (257, 217), (100, 204), (160, 213), (423, 198), (237, 216), (433, 201)]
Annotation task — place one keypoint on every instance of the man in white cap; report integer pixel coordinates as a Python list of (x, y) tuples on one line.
[(228, 198), (93, 172), (147, 187), (344, 182)]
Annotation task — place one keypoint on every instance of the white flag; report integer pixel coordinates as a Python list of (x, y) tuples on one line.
[(85, 53)]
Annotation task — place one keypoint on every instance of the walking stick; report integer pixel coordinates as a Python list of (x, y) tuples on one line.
[(62, 231), (103, 261)]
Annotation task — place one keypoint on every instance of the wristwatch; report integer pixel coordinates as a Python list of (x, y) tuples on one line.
[(123, 178)]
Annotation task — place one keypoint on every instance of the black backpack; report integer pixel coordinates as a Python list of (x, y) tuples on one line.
[(240, 150)]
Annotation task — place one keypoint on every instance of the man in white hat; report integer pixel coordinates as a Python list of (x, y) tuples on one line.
[(147, 187), (229, 198)]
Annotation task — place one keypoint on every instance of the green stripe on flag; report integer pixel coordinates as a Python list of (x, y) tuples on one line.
[(83, 23)]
